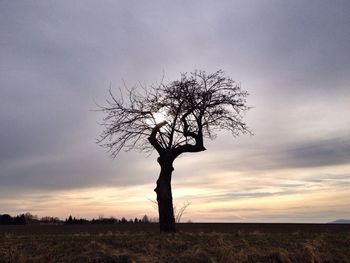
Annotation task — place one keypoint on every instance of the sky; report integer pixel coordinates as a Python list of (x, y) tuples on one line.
[(59, 58)]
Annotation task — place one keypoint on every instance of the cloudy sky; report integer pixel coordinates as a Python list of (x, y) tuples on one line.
[(57, 58)]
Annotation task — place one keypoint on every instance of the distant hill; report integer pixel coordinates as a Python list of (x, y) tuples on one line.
[(340, 221)]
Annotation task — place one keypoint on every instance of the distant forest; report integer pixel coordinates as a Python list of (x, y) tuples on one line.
[(28, 218)]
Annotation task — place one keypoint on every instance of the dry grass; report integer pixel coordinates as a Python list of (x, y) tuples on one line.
[(125, 246)]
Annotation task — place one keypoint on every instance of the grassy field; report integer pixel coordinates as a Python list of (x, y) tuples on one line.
[(193, 243)]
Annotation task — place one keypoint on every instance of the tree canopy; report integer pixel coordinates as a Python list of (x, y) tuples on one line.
[(174, 116)]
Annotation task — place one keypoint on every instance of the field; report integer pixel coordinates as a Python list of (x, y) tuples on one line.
[(193, 243)]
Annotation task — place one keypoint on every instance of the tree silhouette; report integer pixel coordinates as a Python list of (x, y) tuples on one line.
[(173, 119)]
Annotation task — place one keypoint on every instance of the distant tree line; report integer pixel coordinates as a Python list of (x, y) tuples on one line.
[(111, 220), (28, 218), (6, 219)]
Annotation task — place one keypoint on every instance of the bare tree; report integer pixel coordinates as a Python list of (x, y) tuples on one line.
[(173, 119), (178, 213), (181, 212)]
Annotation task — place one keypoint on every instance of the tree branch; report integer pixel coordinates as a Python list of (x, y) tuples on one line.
[(153, 137)]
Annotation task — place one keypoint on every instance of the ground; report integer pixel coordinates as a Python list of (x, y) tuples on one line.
[(283, 243)]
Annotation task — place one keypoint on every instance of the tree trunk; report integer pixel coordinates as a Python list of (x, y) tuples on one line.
[(164, 196)]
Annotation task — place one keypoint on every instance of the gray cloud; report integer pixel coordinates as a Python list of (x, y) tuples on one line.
[(300, 154), (74, 171), (320, 153)]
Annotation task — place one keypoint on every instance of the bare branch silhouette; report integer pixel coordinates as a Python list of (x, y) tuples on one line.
[(181, 212)]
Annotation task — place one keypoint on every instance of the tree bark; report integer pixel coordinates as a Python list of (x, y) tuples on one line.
[(164, 195)]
